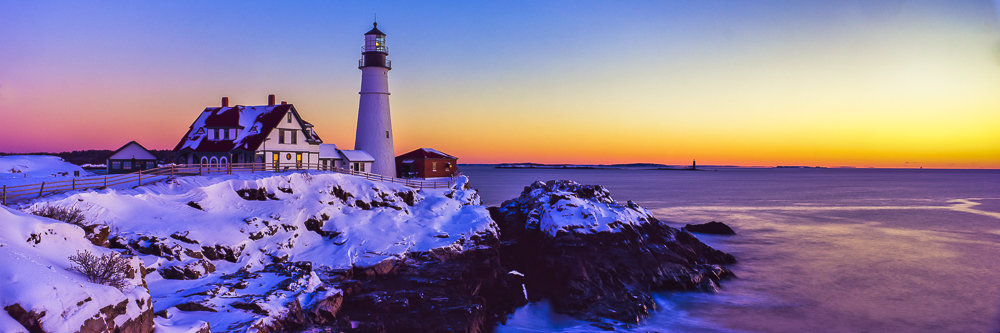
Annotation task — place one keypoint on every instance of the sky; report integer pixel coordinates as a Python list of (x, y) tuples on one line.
[(754, 83)]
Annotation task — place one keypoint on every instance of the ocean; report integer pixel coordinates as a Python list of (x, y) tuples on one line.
[(819, 250)]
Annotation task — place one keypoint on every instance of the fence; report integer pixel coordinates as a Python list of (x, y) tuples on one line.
[(12, 194)]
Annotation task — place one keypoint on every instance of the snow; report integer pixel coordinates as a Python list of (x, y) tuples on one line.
[(33, 169), (435, 151), (329, 150), (381, 227), (567, 206), (35, 252), (357, 156)]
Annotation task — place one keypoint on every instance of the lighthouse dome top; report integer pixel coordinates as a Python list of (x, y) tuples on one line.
[(375, 30)]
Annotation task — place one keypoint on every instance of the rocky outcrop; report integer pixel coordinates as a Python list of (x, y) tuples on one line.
[(595, 258), (448, 289), (712, 228)]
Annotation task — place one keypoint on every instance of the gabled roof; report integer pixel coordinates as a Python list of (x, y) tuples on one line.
[(425, 153), (357, 156), (132, 150), (253, 124)]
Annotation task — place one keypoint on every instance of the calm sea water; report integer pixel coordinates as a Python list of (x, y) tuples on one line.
[(820, 250)]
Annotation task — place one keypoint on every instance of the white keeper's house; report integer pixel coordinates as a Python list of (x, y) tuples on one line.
[(272, 133)]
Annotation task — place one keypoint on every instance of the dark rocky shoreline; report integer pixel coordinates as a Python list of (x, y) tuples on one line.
[(604, 277)]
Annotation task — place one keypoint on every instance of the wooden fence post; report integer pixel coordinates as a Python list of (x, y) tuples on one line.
[(74, 184), (5, 195), (140, 177), (41, 189), (105, 181)]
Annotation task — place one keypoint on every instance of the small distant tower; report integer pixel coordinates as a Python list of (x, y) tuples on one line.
[(374, 134), (694, 165)]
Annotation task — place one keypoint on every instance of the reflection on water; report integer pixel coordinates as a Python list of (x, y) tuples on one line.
[(819, 250)]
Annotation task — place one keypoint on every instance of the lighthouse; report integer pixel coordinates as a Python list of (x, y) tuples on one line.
[(374, 134)]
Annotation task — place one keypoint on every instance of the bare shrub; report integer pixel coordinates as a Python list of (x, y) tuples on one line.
[(70, 215), (109, 269)]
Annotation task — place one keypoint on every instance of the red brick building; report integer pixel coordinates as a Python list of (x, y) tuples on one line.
[(426, 163)]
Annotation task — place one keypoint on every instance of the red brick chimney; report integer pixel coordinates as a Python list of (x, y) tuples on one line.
[(284, 102), (270, 100), (225, 101)]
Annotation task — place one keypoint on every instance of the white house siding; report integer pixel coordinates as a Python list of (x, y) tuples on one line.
[(132, 151), (286, 151)]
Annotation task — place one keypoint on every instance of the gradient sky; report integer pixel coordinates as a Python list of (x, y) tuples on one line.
[(832, 83)]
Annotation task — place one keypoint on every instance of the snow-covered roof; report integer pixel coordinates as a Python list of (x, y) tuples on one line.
[(132, 150), (357, 156), (329, 150), (253, 124), (425, 153)]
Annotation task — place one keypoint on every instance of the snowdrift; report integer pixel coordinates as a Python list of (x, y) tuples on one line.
[(258, 251)]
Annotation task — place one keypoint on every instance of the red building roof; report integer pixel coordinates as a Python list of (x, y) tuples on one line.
[(426, 153), (253, 124)]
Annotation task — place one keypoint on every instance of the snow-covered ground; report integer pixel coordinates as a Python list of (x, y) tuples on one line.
[(34, 169), (243, 257), (34, 257)]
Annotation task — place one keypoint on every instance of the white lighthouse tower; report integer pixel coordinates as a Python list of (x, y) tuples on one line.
[(374, 134)]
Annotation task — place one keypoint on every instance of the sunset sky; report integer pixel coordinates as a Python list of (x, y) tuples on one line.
[(830, 83)]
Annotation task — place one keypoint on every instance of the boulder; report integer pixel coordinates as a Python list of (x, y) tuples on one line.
[(592, 270)]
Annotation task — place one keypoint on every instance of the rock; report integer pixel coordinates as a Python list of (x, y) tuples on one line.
[(30, 320), (606, 274), (97, 234), (463, 291), (190, 271), (194, 306), (325, 310), (712, 228)]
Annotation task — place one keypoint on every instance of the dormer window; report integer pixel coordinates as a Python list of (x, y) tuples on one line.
[(226, 131), (289, 117), (215, 134)]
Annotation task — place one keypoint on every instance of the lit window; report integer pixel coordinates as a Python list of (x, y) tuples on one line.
[(289, 117), (434, 166)]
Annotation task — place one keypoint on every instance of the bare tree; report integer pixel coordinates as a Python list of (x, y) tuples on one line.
[(109, 269)]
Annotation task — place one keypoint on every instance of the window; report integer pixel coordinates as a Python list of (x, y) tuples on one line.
[(116, 165), (281, 136), (295, 136), (447, 166), (298, 159), (386, 134), (289, 117), (150, 164), (274, 159), (204, 160), (226, 134), (434, 166), (216, 134), (127, 165), (362, 167), (214, 161)]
